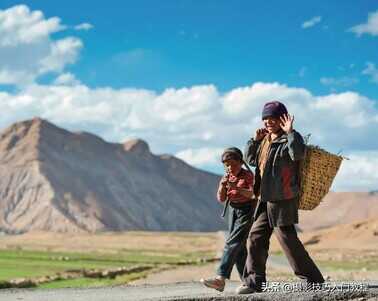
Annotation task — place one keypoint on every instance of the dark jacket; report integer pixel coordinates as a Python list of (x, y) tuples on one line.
[(279, 185)]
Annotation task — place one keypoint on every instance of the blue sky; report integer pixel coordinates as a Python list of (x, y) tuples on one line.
[(178, 73), (226, 43)]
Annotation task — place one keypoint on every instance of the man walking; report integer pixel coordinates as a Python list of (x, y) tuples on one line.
[(276, 151)]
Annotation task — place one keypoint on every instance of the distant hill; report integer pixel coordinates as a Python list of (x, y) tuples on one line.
[(340, 208), (357, 235), (56, 180)]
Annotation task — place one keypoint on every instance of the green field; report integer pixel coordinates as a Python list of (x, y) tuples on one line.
[(21, 262), (32, 264), (90, 282)]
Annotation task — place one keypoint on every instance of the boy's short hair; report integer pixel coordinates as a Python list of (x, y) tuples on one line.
[(232, 153)]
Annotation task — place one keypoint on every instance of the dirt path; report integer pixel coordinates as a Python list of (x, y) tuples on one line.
[(186, 291), (276, 264)]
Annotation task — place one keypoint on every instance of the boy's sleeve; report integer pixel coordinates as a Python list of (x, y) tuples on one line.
[(250, 180), (250, 152), (296, 146)]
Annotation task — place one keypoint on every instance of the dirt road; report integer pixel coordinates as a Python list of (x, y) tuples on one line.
[(193, 291), (276, 264)]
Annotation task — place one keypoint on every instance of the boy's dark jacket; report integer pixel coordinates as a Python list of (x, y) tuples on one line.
[(279, 185)]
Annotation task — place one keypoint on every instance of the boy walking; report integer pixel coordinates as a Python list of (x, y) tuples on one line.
[(276, 151), (236, 188)]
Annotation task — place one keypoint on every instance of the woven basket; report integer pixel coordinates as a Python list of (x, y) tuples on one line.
[(317, 172)]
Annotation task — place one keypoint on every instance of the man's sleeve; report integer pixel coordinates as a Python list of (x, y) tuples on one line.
[(296, 146), (250, 152)]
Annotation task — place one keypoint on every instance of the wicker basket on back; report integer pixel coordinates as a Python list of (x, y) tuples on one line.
[(317, 172)]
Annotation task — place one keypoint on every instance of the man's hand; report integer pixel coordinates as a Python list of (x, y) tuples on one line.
[(260, 134), (287, 123)]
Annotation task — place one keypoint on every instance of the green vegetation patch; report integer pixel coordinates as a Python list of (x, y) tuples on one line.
[(32, 264), (28, 264), (93, 282)]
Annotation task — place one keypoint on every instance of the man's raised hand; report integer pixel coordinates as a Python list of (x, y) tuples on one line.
[(287, 123)]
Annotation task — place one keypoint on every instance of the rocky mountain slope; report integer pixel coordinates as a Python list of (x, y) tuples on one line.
[(56, 180)]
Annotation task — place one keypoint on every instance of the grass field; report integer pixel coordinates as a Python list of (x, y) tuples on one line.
[(25, 263), (36, 255)]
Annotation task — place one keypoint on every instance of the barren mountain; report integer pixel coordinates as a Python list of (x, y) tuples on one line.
[(56, 180), (340, 208)]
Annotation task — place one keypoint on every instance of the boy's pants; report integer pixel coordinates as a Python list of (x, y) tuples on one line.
[(235, 252), (258, 246)]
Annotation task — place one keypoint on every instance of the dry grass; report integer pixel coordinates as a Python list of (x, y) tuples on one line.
[(113, 242)]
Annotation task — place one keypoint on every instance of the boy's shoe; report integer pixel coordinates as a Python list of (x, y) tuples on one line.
[(245, 289), (214, 283)]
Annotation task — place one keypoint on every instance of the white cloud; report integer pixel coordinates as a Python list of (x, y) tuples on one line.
[(240, 102), (350, 112), (197, 122), (370, 27), (359, 173), (202, 156), (10, 77), (196, 100), (67, 79), (62, 52), (19, 25), (341, 82), (27, 49), (372, 71), (312, 22), (83, 26)]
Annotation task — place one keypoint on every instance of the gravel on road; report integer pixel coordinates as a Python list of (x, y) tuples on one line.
[(357, 291)]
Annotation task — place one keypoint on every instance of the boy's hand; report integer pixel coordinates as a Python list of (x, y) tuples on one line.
[(260, 134), (287, 123), (232, 185), (224, 180)]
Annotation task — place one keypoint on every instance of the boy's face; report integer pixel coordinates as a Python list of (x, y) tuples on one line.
[(233, 166), (272, 124)]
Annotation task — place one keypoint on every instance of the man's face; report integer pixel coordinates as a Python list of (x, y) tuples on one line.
[(272, 124), (232, 166)]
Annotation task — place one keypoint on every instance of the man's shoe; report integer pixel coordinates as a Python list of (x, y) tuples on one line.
[(245, 289), (214, 283)]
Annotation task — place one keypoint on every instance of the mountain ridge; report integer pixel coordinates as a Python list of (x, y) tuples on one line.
[(79, 182)]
